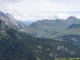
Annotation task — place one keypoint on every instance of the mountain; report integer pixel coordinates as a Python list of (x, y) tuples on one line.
[(46, 27), (72, 20), (62, 30), (71, 34), (51, 28), (74, 26), (16, 45), (12, 22)]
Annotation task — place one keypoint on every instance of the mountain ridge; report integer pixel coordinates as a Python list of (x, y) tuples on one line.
[(47, 27), (12, 22)]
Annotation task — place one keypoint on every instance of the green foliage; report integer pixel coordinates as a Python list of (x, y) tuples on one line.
[(57, 29), (20, 46), (67, 59)]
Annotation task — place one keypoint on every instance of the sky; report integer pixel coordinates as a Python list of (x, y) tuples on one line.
[(33, 10)]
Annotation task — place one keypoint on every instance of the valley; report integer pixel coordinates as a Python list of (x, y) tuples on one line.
[(21, 42)]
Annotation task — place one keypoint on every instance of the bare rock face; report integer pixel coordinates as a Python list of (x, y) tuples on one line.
[(12, 22), (66, 50)]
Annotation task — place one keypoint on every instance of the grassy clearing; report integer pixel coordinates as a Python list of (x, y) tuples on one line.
[(67, 59)]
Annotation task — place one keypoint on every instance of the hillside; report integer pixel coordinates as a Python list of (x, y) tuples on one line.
[(45, 28), (51, 28), (62, 30), (20, 46), (71, 34), (74, 26)]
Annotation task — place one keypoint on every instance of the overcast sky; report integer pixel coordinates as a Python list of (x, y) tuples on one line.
[(32, 10)]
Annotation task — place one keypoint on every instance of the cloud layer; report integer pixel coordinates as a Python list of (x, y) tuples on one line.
[(9, 1), (33, 9)]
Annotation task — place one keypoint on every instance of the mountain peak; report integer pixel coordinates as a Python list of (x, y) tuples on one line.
[(9, 15), (71, 18), (11, 21)]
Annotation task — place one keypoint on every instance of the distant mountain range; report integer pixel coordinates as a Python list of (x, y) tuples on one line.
[(48, 27), (56, 29)]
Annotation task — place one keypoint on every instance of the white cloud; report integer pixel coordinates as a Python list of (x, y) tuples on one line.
[(77, 16), (62, 16), (25, 18), (46, 17), (28, 10), (57, 16), (9, 1), (42, 8)]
